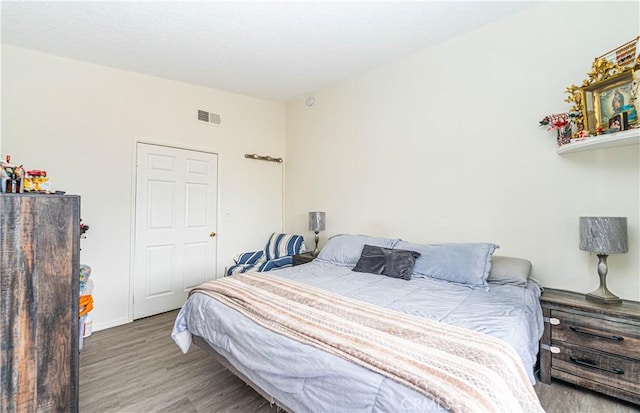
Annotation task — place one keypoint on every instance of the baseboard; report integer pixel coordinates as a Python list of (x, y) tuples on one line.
[(109, 324)]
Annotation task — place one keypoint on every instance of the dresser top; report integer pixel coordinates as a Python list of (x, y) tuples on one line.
[(629, 310), (35, 195)]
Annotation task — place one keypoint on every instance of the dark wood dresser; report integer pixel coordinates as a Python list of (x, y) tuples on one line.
[(593, 345), (39, 280)]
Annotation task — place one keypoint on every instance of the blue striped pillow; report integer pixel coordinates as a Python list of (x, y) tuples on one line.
[(281, 262), (249, 257), (282, 245), (238, 268)]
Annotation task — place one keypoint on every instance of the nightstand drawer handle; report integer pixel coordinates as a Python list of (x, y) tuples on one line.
[(589, 333), (592, 365)]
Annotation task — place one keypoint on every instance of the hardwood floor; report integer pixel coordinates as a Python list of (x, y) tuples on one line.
[(138, 368)]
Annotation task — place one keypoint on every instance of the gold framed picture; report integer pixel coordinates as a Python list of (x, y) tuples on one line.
[(611, 88), (604, 100)]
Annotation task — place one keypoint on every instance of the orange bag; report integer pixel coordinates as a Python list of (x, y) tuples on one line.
[(86, 304)]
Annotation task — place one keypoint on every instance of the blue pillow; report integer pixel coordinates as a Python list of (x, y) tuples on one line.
[(345, 249), (467, 263)]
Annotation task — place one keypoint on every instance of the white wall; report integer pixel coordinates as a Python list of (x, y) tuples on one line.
[(80, 122), (444, 147)]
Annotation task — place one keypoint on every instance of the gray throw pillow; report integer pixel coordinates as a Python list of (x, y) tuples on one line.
[(509, 270), (385, 261)]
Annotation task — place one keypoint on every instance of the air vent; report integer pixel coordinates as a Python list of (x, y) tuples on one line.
[(209, 117)]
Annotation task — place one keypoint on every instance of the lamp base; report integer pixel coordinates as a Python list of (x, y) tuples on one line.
[(602, 293), (604, 297)]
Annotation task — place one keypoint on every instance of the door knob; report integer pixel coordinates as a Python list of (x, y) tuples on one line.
[(212, 234)]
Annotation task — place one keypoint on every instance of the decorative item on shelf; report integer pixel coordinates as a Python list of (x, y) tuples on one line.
[(575, 96), (562, 124), (603, 236), (607, 99), (612, 88), (618, 123), (317, 221)]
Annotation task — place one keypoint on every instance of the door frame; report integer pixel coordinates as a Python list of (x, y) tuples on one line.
[(132, 221)]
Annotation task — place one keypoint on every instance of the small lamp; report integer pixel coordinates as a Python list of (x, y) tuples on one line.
[(603, 236), (317, 224)]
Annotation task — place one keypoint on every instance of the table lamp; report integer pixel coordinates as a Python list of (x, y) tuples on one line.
[(317, 224), (603, 236)]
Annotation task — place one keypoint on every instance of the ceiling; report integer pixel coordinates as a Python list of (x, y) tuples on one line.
[(272, 50)]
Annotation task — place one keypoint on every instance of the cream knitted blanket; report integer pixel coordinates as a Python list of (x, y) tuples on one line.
[(462, 370)]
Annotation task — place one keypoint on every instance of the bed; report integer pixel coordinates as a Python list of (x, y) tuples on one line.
[(499, 302)]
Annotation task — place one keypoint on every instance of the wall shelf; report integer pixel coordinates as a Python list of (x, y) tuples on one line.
[(613, 140)]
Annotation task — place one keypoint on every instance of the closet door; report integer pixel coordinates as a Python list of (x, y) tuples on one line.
[(175, 230), (39, 263)]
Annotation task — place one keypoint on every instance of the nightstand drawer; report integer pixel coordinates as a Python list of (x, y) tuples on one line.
[(605, 335), (609, 370), (591, 344)]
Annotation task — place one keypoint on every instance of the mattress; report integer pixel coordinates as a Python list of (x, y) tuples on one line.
[(307, 379)]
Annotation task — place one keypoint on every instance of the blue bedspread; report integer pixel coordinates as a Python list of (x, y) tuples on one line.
[(307, 379)]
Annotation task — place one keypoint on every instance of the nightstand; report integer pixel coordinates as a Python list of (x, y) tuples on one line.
[(590, 344), (303, 258)]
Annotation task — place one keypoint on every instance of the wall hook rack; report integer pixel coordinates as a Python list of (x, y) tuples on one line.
[(263, 157)]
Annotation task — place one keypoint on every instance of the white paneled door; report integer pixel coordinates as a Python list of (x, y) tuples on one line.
[(175, 228)]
